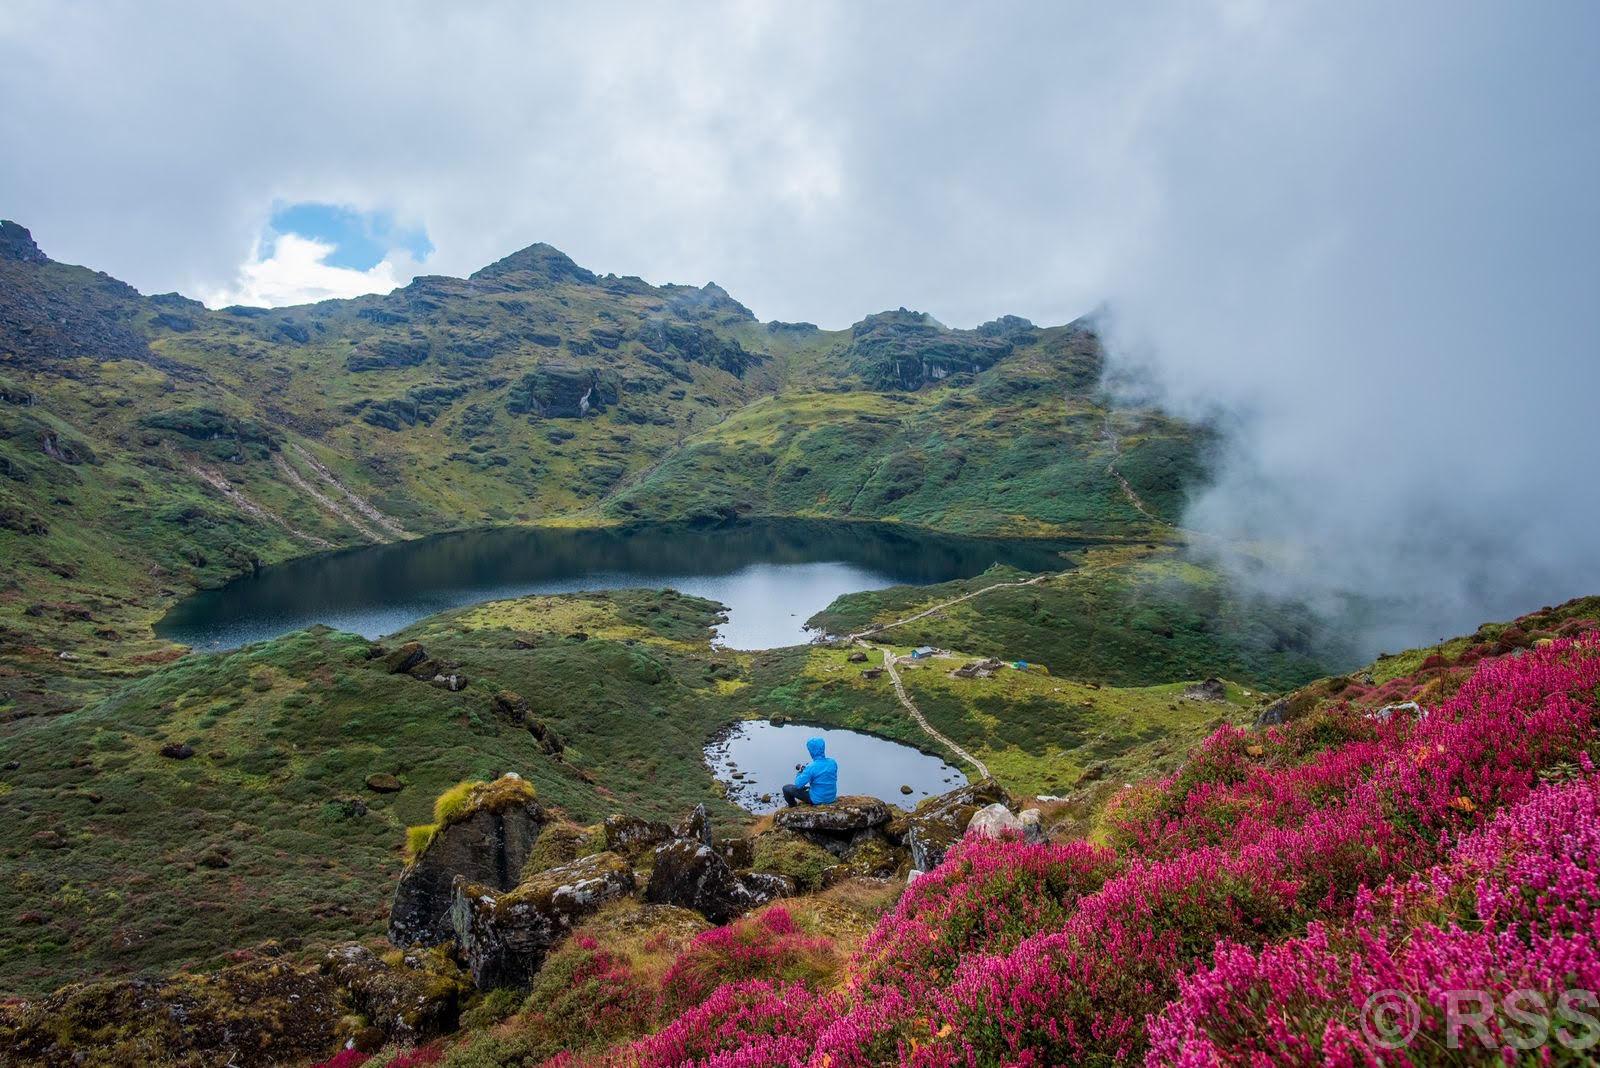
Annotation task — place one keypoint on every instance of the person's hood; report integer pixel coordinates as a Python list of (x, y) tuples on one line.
[(816, 747)]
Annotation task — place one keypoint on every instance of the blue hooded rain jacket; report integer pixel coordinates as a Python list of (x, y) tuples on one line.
[(822, 774)]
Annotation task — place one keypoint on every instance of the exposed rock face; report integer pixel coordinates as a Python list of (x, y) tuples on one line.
[(634, 837), (16, 243), (940, 821), (413, 1002), (696, 825), (487, 847), (844, 816), (562, 391), (505, 937), (692, 875)]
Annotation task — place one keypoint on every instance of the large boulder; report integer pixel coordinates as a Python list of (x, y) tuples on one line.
[(995, 821), (690, 874), (504, 937), (845, 816), (486, 842), (413, 1001), (633, 837), (939, 822)]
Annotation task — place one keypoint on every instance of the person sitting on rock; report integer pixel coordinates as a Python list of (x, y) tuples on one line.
[(818, 781)]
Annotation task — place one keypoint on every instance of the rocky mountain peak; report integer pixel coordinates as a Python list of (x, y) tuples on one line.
[(16, 243), (538, 264)]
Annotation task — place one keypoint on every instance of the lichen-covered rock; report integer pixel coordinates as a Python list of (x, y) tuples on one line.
[(486, 842), (692, 875), (265, 1012), (1032, 826), (410, 1000), (696, 825), (939, 822), (844, 816), (634, 837), (505, 936)]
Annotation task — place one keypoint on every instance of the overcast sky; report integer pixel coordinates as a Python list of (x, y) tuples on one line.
[(1368, 231)]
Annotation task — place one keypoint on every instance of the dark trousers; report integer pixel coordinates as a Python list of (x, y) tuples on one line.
[(797, 795)]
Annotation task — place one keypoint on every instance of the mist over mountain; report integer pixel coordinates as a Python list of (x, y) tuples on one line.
[(1386, 281)]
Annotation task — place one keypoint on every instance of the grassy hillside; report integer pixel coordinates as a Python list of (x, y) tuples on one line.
[(149, 446), (1128, 616)]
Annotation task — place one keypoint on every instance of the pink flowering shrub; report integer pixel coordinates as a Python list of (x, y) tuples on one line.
[(1515, 908), (1261, 895), (750, 1024), (767, 946)]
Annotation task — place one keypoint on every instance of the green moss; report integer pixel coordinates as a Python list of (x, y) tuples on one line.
[(786, 853)]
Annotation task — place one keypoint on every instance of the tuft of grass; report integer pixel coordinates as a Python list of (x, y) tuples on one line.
[(418, 838)]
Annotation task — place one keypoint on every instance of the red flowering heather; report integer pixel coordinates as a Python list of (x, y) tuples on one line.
[(417, 1058), (767, 946), (345, 1058)]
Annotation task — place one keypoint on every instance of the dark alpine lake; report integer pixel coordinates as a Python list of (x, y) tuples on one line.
[(772, 574), (763, 757)]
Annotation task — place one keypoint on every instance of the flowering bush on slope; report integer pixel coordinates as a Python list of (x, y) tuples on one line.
[(1516, 908), (767, 946), (1261, 839)]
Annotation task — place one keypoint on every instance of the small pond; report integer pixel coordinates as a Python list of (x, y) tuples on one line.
[(765, 756), (772, 574)]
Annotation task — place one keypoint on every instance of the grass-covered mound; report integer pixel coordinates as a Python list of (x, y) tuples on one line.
[(1249, 902)]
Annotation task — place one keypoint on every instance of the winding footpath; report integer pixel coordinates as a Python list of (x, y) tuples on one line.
[(922, 721), (860, 638)]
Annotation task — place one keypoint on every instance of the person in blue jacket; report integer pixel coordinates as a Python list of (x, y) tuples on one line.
[(818, 781)]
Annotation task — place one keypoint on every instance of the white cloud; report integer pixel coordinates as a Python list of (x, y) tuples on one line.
[(296, 273)]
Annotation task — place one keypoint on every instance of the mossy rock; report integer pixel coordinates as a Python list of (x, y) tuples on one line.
[(787, 853)]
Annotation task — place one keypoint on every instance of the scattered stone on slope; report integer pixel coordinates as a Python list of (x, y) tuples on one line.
[(405, 658), (487, 844), (939, 822), (505, 936), (381, 782), (1209, 690), (692, 875), (696, 825)]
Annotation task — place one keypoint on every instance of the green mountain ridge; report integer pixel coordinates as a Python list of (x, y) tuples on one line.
[(150, 446)]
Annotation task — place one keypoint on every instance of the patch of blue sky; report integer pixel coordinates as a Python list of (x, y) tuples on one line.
[(360, 239)]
